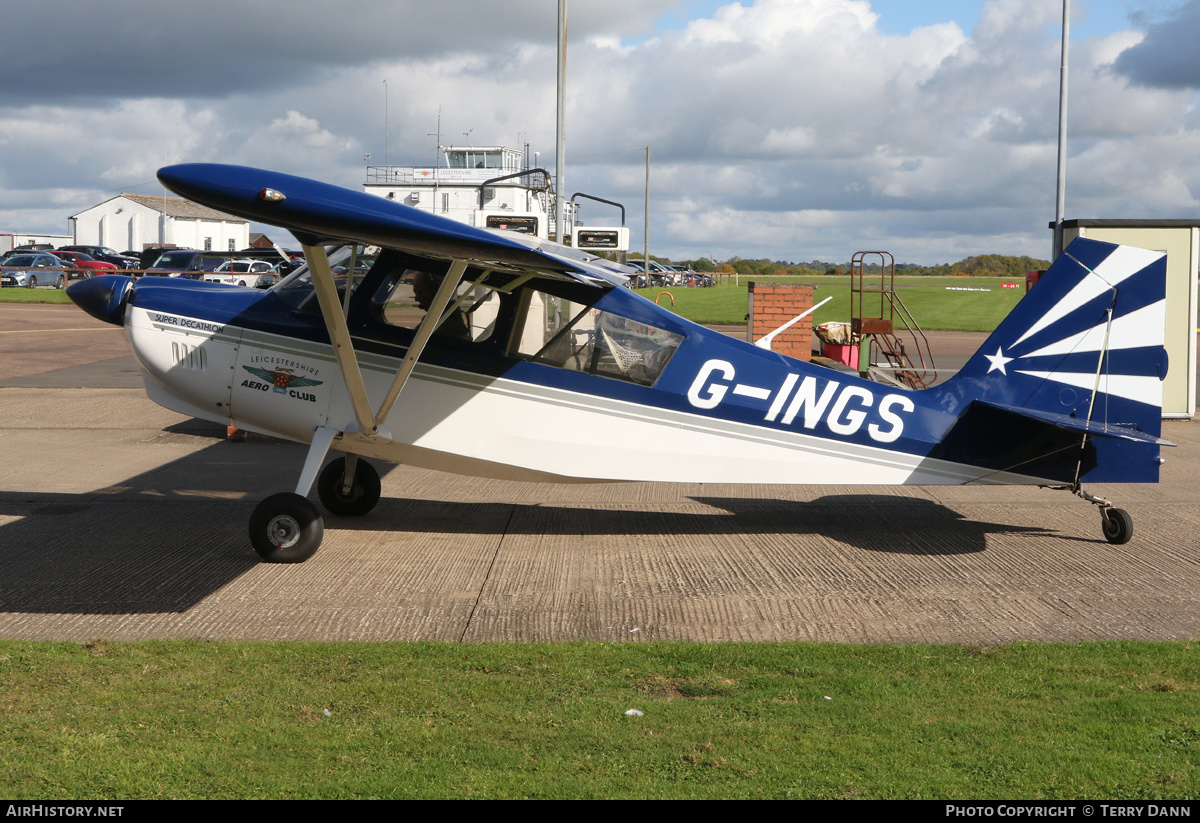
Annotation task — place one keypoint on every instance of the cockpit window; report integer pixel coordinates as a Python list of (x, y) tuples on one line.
[(557, 332), (405, 294), (349, 264), (531, 316)]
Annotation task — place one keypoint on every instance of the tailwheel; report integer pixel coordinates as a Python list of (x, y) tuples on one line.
[(1117, 525), (286, 528), (355, 498)]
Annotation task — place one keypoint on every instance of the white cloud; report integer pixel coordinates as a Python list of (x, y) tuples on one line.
[(790, 129)]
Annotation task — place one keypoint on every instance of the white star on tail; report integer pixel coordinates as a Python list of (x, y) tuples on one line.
[(998, 361)]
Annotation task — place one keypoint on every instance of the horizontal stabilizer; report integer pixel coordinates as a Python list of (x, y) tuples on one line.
[(1065, 421)]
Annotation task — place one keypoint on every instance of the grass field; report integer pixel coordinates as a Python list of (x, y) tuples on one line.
[(802, 720), (19, 295), (928, 299)]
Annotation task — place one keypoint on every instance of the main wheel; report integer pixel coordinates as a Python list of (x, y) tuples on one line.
[(1117, 525), (364, 491), (286, 528), (62, 281)]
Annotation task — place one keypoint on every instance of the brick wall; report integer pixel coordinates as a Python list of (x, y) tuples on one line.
[(773, 304)]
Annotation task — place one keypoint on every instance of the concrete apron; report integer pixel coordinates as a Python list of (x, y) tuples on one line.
[(121, 520)]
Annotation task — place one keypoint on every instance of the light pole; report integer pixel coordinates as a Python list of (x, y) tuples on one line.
[(560, 143), (646, 218), (1061, 202)]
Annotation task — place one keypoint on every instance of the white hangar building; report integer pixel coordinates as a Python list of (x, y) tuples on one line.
[(132, 222)]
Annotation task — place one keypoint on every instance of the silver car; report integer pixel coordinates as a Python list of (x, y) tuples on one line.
[(32, 270)]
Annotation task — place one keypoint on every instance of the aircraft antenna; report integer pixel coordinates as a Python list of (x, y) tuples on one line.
[(436, 164)]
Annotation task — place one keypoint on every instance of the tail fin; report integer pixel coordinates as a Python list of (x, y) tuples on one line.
[(1083, 351)]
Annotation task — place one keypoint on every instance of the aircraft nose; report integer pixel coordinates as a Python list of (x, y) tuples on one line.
[(102, 297)]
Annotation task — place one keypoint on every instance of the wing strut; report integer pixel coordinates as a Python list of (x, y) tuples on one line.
[(339, 335), (332, 310), (433, 317)]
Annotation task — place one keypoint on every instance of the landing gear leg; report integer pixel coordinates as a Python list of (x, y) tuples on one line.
[(349, 486), (286, 528)]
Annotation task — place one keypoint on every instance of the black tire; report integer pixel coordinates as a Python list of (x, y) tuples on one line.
[(242, 283), (31, 282), (286, 528), (62, 281), (364, 493), (1118, 526)]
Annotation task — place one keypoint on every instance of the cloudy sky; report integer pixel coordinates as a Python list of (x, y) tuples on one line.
[(789, 129)]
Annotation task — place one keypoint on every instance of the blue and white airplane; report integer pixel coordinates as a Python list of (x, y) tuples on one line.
[(527, 360)]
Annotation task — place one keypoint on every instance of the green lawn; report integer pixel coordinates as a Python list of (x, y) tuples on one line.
[(18, 295), (927, 298), (804, 720)]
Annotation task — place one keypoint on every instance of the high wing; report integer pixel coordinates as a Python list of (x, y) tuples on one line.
[(318, 213)]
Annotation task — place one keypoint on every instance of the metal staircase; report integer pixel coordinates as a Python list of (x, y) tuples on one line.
[(875, 309)]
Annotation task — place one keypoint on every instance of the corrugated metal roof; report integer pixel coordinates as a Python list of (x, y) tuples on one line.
[(178, 207)]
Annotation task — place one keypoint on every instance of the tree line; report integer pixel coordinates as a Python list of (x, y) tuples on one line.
[(982, 265)]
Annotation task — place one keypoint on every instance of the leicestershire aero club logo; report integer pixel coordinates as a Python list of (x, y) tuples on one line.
[(283, 379)]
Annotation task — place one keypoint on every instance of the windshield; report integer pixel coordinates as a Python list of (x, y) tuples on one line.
[(297, 287), (178, 260)]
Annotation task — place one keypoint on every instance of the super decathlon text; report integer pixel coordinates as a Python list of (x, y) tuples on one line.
[(843, 415), (40, 810), (185, 322)]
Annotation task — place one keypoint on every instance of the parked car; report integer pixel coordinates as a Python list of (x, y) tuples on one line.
[(265, 281), (189, 263), (283, 261), (30, 270), (245, 266), (693, 279), (659, 275), (194, 263), (107, 255), (84, 261), (238, 272), (149, 257)]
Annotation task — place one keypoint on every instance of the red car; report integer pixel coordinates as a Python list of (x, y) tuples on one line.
[(79, 260)]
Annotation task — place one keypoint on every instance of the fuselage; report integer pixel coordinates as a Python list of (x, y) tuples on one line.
[(721, 411)]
